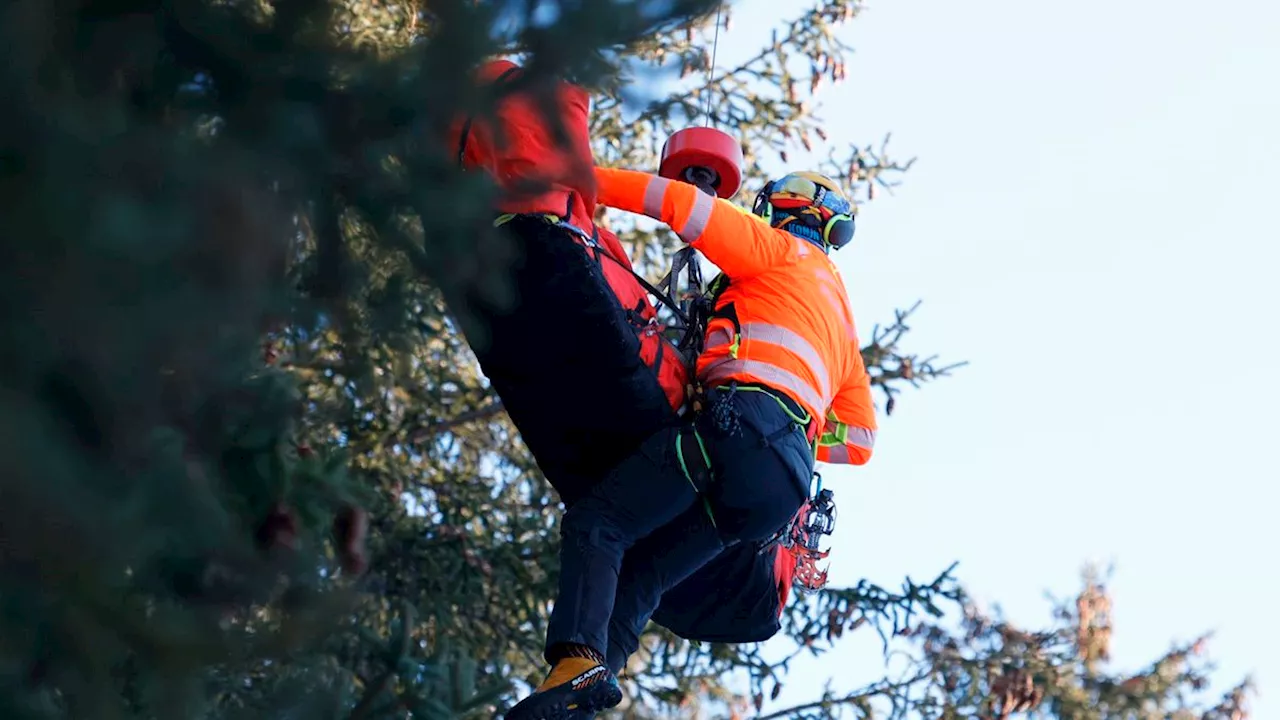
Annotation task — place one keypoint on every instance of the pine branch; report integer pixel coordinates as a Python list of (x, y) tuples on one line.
[(400, 650), (483, 412), (888, 366), (878, 689)]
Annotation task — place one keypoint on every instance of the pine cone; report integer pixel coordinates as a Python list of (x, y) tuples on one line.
[(278, 530), (351, 529)]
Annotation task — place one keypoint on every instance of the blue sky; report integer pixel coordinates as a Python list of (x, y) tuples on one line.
[(1089, 224)]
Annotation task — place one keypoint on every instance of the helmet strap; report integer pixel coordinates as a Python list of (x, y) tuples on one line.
[(762, 207)]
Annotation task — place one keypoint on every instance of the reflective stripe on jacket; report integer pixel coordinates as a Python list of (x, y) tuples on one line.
[(795, 330)]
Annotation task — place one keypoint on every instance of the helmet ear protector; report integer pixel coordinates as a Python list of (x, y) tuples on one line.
[(812, 206)]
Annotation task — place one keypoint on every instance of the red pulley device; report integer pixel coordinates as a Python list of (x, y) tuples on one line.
[(705, 157)]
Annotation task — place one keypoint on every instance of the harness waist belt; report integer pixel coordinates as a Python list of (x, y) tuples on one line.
[(548, 218), (782, 397)]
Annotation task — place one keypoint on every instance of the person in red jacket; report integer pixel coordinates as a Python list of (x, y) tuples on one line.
[(784, 382), (530, 155)]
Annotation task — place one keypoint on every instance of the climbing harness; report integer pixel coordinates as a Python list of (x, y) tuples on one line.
[(691, 303), (819, 520)]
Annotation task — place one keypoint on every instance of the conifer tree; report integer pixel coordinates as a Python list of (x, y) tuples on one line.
[(252, 467)]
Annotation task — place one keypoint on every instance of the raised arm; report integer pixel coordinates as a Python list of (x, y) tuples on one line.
[(739, 243)]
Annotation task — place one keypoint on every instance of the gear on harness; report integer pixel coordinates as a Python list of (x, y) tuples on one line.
[(819, 520), (802, 538), (724, 415), (711, 160)]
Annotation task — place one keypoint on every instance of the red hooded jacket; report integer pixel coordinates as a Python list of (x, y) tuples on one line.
[(529, 150)]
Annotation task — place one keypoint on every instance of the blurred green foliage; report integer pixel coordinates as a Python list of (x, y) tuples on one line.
[(251, 468)]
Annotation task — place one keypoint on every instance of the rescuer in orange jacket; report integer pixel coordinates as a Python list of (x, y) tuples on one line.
[(785, 384)]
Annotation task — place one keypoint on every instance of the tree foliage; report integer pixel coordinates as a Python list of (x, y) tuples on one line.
[(978, 664), (253, 469)]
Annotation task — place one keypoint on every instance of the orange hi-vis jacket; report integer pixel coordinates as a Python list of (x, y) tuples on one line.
[(796, 334)]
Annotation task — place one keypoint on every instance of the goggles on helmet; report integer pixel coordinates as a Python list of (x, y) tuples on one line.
[(824, 214), (799, 190)]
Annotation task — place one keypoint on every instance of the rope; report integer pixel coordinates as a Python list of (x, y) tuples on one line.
[(715, 47)]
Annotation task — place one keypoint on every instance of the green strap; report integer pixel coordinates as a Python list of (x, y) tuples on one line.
[(706, 504), (684, 467), (508, 217), (801, 421), (702, 447)]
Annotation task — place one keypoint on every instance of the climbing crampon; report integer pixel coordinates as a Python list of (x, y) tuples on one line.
[(802, 539)]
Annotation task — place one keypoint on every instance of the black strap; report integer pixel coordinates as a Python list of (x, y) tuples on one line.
[(648, 286), (729, 312), (679, 261), (466, 126), (657, 360), (701, 314), (684, 259), (462, 141)]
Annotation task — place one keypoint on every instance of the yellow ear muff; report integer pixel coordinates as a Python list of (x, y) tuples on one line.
[(838, 231)]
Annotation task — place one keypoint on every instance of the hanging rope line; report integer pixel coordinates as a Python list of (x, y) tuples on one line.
[(711, 71)]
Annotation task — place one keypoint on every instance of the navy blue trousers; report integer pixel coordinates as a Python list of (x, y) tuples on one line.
[(648, 510)]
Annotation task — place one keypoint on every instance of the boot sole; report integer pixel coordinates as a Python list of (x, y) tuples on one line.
[(597, 698)]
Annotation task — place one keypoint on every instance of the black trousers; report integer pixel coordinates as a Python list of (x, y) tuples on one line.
[(648, 510)]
